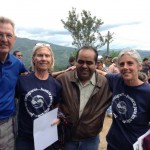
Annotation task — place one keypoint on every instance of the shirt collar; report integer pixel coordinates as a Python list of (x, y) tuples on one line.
[(8, 59), (91, 81)]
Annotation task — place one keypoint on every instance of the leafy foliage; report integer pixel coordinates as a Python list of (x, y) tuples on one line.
[(85, 29)]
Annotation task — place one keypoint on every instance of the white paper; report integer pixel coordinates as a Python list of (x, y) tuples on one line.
[(138, 144), (140, 139), (44, 133)]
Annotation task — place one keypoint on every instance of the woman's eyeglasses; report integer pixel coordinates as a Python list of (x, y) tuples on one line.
[(42, 44)]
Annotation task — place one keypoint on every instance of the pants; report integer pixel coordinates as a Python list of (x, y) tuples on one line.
[(7, 134), (24, 143), (85, 144)]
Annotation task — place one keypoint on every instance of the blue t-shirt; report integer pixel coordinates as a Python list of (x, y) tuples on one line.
[(9, 73), (131, 113), (36, 97)]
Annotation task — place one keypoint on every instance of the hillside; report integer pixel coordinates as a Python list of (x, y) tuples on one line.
[(61, 53)]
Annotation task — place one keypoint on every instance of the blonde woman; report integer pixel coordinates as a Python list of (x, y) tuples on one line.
[(38, 93)]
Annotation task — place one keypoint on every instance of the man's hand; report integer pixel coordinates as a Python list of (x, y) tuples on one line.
[(24, 73), (55, 122), (70, 68)]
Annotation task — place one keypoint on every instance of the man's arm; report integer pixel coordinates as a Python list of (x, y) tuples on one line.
[(101, 72), (55, 74)]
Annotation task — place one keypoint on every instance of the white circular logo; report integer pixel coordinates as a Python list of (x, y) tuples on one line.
[(124, 107), (38, 102)]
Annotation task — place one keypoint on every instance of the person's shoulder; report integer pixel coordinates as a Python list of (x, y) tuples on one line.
[(100, 77), (145, 88), (54, 81), (13, 58), (66, 74), (26, 76), (147, 85), (51, 78), (113, 75)]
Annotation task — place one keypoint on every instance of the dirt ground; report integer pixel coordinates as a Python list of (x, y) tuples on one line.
[(107, 123)]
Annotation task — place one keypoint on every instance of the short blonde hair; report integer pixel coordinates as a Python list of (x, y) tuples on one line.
[(36, 48)]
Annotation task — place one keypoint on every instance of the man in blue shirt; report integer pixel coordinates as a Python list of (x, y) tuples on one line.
[(10, 68)]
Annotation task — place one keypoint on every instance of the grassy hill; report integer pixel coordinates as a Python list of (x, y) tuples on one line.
[(61, 53)]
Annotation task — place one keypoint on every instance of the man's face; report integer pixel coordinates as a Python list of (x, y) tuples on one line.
[(19, 55), (7, 37), (146, 62), (72, 63), (107, 59), (99, 65), (85, 65)]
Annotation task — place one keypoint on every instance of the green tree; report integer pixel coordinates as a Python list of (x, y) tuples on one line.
[(85, 29)]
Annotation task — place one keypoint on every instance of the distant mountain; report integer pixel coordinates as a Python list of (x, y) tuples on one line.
[(61, 53), (144, 53)]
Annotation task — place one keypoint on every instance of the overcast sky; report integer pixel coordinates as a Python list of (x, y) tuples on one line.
[(129, 20)]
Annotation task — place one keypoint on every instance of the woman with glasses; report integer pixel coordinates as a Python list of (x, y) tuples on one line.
[(38, 93)]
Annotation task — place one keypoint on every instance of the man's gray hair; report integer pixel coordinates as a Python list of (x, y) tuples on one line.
[(7, 20)]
